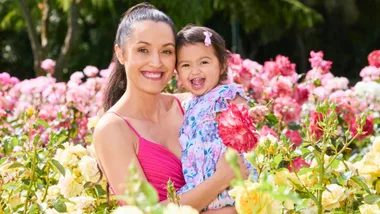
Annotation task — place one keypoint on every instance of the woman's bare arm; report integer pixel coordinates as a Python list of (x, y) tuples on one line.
[(115, 150)]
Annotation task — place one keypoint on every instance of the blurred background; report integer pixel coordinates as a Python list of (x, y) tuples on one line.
[(77, 33)]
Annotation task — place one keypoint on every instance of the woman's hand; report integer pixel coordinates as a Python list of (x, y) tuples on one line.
[(224, 170)]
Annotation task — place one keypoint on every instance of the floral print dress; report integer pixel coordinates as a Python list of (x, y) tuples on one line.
[(200, 141)]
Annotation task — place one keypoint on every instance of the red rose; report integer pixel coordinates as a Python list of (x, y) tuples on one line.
[(298, 163), (236, 128), (314, 127), (301, 94), (294, 136), (374, 58), (367, 128)]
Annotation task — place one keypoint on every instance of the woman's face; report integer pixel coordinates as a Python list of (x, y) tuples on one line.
[(148, 56)]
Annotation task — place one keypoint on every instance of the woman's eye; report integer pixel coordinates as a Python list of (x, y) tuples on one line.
[(143, 50), (167, 52)]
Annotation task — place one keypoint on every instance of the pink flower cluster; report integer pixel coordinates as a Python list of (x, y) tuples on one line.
[(77, 100)]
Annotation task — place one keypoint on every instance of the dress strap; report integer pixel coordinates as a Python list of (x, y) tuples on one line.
[(180, 106), (130, 126)]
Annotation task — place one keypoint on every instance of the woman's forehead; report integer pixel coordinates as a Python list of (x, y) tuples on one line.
[(152, 32)]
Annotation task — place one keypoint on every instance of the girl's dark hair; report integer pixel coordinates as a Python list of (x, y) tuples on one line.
[(192, 34), (118, 80)]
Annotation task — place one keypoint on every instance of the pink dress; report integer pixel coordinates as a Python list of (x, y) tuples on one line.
[(158, 163)]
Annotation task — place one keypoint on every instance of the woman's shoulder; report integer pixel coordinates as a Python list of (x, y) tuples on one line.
[(112, 128)]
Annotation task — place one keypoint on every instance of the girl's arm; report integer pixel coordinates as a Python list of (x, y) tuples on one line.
[(203, 194)]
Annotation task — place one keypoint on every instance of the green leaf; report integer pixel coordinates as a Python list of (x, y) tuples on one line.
[(62, 138), (57, 166), (294, 126), (3, 160), (335, 164), (16, 165), (150, 192), (277, 160), (273, 120), (304, 171), (376, 120), (34, 209), (99, 190), (60, 206), (42, 123), (372, 199), (361, 183)]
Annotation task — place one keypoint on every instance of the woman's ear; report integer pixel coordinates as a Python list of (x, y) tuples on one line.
[(119, 54)]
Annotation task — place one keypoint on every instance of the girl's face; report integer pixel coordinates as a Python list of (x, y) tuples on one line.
[(198, 68), (148, 56)]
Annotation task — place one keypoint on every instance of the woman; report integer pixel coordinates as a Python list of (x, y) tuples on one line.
[(141, 124)]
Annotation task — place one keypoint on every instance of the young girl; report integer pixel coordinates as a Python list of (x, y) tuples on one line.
[(201, 66)]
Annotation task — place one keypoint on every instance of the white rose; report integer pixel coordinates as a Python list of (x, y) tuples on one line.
[(82, 202), (127, 210), (369, 209), (174, 209), (52, 211), (88, 167), (67, 185), (332, 196), (66, 158)]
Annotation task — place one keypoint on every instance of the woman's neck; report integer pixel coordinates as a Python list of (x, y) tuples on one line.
[(141, 105)]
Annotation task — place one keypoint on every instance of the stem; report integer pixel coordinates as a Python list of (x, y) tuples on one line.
[(47, 185), (32, 176), (303, 186), (319, 192)]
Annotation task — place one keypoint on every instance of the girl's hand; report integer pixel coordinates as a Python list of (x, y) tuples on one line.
[(225, 172), (258, 113)]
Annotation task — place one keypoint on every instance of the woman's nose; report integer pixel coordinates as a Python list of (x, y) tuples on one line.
[(155, 60)]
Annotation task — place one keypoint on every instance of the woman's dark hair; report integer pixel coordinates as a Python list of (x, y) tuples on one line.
[(118, 80), (192, 34)]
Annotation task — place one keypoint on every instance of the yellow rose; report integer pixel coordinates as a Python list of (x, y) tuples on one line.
[(376, 145), (371, 164), (174, 209), (30, 111), (281, 177), (92, 121), (332, 196), (245, 196), (127, 209), (369, 209)]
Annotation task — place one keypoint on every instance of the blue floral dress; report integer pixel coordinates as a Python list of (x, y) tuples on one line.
[(200, 141)]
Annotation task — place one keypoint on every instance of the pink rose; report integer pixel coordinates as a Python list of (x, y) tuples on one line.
[(236, 128), (317, 61), (265, 130), (298, 164), (90, 71), (48, 65), (314, 126), (374, 58), (287, 109), (77, 77), (285, 67), (301, 94), (367, 128), (294, 137)]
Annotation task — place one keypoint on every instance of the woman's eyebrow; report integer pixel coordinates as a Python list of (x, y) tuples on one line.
[(164, 45), (169, 44)]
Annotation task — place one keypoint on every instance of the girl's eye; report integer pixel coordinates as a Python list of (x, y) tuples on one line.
[(185, 65), (167, 52), (143, 50), (204, 62)]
